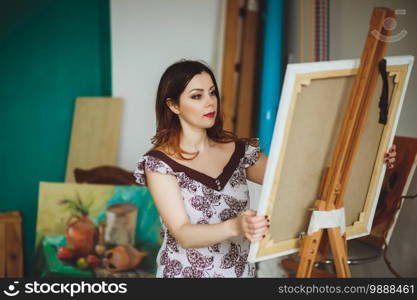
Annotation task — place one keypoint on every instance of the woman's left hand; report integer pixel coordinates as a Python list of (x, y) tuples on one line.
[(389, 157)]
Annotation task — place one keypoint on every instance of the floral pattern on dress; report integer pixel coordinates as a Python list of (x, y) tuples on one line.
[(235, 208), (238, 178), (198, 260), (206, 204), (192, 272), (203, 205), (187, 183), (200, 264), (153, 164), (235, 258), (211, 196), (172, 267), (214, 248), (252, 152), (171, 242)]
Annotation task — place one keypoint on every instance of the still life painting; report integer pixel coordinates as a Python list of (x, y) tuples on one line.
[(96, 230)]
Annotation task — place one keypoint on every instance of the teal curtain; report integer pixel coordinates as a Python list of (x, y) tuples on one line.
[(51, 51)]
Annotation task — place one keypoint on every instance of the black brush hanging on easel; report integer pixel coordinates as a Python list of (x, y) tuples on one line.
[(383, 101)]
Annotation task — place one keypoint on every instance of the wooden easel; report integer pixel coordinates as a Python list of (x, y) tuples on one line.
[(335, 177)]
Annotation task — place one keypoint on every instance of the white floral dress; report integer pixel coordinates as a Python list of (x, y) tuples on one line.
[(207, 200)]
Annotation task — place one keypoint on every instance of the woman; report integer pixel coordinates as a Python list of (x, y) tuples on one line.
[(196, 173)]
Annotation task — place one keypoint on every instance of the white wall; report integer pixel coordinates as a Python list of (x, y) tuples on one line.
[(349, 26), (148, 36)]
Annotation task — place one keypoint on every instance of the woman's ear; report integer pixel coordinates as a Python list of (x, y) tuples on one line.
[(172, 106)]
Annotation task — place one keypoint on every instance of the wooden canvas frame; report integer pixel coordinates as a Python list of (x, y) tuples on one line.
[(404, 193), (395, 184), (303, 140), (95, 134)]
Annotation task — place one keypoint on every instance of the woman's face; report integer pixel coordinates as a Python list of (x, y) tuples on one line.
[(198, 103)]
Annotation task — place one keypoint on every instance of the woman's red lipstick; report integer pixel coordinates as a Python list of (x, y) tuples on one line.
[(210, 115)]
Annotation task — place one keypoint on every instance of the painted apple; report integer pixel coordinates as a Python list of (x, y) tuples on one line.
[(65, 253), (93, 260)]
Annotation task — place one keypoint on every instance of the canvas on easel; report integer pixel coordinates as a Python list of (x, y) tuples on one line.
[(312, 105)]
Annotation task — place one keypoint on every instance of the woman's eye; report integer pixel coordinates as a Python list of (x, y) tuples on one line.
[(196, 97), (212, 93)]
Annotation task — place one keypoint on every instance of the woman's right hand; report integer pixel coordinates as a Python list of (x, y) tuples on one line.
[(250, 225)]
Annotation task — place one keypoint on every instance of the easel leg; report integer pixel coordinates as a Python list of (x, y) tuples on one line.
[(324, 247), (308, 254), (339, 251)]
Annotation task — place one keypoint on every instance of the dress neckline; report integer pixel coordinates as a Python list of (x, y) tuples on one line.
[(217, 183)]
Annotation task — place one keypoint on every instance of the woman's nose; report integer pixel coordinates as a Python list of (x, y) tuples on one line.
[(211, 100)]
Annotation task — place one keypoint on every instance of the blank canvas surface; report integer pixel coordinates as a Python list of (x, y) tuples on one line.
[(316, 122)]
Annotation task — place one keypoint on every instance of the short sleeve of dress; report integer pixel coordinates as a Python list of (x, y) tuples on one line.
[(252, 151), (153, 164)]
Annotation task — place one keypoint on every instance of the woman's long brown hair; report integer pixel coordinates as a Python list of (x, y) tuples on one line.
[(168, 128)]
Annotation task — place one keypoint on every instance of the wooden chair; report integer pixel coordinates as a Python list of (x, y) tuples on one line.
[(11, 250)]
